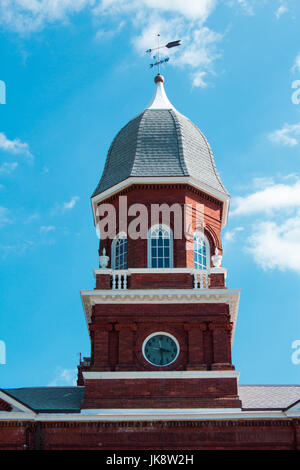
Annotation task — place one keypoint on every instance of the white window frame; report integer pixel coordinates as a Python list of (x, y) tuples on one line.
[(200, 234), (170, 232), (121, 235)]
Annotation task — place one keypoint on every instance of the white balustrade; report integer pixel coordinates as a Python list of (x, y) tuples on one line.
[(201, 279), (119, 280)]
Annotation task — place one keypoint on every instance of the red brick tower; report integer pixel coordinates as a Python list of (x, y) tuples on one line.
[(161, 320)]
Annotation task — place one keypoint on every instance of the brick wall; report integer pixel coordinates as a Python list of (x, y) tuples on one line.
[(262, 434), (169, 194), (161, 393)]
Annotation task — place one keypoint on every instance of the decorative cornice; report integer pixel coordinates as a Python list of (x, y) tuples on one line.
[(230, 297), (206, 189)]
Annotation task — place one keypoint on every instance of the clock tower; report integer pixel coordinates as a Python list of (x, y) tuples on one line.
[(161, 319)]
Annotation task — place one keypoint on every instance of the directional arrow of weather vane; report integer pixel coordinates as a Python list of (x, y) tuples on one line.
[(159, 60)]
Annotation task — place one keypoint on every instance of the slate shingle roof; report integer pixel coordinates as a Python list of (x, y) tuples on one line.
[(269, 396), (68, 399), (49, 399), (160, 142)]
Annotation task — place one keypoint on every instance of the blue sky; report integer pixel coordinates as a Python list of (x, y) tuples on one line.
[(75, 73)]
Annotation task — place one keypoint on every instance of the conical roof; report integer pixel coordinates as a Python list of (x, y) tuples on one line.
[(160, 142)]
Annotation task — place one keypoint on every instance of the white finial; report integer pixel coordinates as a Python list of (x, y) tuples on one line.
[(217, 259), (103, 259), (160, 99)]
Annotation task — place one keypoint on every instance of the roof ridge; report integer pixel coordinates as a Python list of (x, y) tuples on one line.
[(179, 140), (137, 141), (210, 152), (113, 143)]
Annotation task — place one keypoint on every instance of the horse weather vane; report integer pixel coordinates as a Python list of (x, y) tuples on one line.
[(157, 57)]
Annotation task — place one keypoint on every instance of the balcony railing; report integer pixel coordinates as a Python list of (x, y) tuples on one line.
[(201, 279), (119, 280), (171, 278)]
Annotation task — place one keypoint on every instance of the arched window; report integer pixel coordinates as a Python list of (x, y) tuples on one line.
[(119, 252), (160, 247), (201, 251)]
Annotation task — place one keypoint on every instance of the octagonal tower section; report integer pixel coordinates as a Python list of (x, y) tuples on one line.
[(160, 206)]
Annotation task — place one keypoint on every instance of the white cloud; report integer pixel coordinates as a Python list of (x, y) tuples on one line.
[(173, 19), (296, 65), (65, 206), (69, 205), (108, 34), (274, 236), (18, 248), (26, 16), (14, 146), (5, 217), (8, 167), (31, 217), (246, 6), (263, 182), (190, 9), (274, 245), (230, 235), (64, 377), (268, 200), (287, 136), (281, 10), (47, 228), (199, 48)]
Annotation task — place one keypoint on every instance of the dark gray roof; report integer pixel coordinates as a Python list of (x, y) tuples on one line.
[(160, 142), (68, 399), (49, 399)]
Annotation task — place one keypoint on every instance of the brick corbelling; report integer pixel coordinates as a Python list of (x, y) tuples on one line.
[(167, 186), (165, 434), (15, 424), (119, 330), (16, 435), (215, 423), (156, 311)]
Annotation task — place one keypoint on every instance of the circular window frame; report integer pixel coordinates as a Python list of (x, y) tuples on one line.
[(164, 333)]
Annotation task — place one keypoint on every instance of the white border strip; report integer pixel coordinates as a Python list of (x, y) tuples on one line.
[(168, 374), (123, 415), (14, 403), (206, 294)]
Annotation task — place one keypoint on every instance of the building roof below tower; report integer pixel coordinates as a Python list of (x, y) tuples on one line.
[(68, 399)]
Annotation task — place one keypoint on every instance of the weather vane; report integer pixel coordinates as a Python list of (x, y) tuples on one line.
[(160, 61)]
